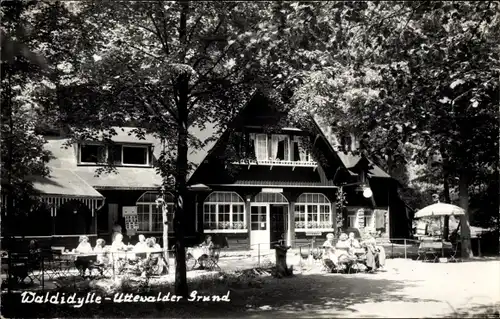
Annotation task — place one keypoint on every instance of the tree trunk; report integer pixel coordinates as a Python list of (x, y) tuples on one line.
[(182, 88), (463, 189), (447, 199), (446, 191), (181, 288), (282, 269)]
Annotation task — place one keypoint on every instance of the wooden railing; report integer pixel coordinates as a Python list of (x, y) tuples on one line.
[(277, 163)]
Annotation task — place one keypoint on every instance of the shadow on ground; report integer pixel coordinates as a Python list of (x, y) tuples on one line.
[(299, 296)]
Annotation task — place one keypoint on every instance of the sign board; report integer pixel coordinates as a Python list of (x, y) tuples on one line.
[(131, 218), (313, 233), (272, 190), (129, 210)]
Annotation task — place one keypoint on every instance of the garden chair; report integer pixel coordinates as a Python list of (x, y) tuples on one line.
[(211, 262), (317, 254), (304, 253), (453, 253)]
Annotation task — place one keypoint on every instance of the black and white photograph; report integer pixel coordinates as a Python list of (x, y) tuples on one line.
[(250, 159)]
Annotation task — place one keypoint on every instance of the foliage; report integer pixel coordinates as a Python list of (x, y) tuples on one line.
[(23, 73), (168, 67), (419, 78)]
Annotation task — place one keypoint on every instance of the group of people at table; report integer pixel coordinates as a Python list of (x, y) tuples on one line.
[(349, 251), (118, 251), (142, 246)]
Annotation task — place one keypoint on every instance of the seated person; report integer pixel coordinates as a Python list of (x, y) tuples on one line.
[(207, 245), (353, 242), (155, 245), (344, 251), (150, 246), (84, 247), (118, 243), (101, 252), (117, 247), (329, 252), (141, 245), (34, 253), (375, 255)]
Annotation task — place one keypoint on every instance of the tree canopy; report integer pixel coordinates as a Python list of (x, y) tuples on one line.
[(415, 80)]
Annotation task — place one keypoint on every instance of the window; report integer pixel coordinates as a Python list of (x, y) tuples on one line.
[(280, 147), (274, 198), (135, 155), (251, 146), (299, 150), (92, 153), (351, 220), (224, 211), (117, 154), (261, 147), (313, 211), (150, 217), (258, 218)]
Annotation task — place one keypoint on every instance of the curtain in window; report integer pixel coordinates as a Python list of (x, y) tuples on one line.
[(302, 149), (274, 146), (261, 147), (298, 153)]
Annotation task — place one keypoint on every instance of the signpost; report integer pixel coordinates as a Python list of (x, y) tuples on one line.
[(131, 220)]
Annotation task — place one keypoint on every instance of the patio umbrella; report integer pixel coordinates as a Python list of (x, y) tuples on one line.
[(440, 209)]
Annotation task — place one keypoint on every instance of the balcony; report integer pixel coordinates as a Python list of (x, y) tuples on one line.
[(277, 162)]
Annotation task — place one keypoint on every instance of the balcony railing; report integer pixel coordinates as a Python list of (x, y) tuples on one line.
[(277, 162)]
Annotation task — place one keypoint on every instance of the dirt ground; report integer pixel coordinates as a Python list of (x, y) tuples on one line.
[(405, 289)]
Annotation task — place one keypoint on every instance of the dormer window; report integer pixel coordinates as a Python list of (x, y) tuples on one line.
[(92, 154), (135, 155), (280, 147), (121, 155)]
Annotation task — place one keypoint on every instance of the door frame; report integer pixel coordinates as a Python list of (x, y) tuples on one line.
[(285, 217), (268, 222)]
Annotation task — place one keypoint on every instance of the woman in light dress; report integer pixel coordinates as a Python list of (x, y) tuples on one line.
[(344, 251), (84, 246), (101, 252), (330, 259), (141, 245), (375, 255)]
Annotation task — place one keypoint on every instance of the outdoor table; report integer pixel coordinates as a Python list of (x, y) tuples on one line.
[(432, 244)]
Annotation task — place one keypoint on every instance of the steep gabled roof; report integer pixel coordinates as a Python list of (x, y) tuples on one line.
[(348, 161), (253, 107)]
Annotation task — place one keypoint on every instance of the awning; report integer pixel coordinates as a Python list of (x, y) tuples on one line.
[(64, 182), (63, 185)]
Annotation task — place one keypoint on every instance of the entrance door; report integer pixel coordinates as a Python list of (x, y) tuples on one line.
[(259, 226), (112, 216), (278, 223)]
